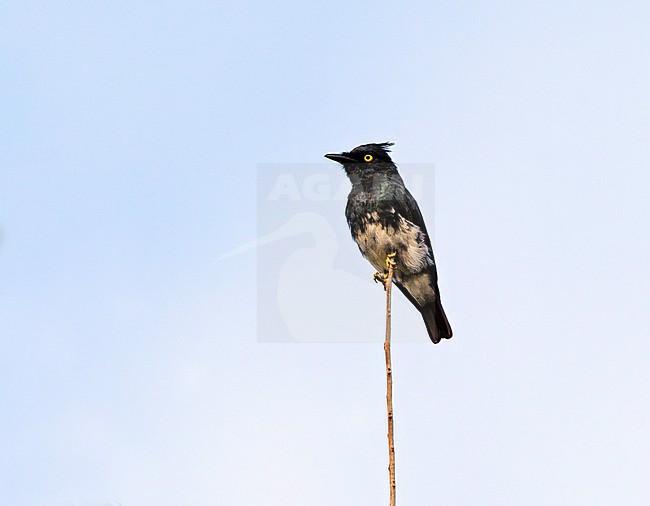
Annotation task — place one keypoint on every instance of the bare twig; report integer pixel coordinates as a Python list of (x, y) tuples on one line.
[(389, 382)]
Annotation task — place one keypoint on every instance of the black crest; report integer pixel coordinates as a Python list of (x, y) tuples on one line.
[(378, 150)]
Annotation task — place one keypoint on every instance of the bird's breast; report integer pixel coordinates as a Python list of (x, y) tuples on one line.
[(379, 237)]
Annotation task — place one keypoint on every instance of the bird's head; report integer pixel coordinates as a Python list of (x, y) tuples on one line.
[(365, 159)]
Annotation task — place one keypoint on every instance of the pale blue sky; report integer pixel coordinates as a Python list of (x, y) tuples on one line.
[(130, 141)]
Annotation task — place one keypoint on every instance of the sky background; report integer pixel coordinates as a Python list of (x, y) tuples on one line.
[(133, 368)]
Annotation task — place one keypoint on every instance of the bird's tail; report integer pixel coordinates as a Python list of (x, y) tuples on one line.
[(436, 321)]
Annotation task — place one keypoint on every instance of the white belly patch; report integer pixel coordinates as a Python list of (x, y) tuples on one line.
[(407, 240)]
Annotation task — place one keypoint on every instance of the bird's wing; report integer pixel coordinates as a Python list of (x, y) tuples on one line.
[(406, 206)]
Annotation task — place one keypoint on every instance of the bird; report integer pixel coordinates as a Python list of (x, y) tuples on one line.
[(387, 225)]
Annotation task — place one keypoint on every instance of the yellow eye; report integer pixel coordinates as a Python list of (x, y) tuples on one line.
[(368, 158)]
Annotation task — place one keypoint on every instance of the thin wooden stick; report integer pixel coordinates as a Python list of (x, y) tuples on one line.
[(389, 384)]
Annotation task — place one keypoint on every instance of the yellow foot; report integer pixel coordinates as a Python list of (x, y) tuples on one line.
[(380, 278)]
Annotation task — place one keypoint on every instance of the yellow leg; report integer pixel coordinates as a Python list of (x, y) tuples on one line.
[(390, 262)]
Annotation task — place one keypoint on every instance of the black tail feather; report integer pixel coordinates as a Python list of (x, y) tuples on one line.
[(436, 322)]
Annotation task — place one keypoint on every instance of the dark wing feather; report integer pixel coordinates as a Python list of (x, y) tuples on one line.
[(406, 206)]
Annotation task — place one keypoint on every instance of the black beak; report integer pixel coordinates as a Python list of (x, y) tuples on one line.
[(341, 158)]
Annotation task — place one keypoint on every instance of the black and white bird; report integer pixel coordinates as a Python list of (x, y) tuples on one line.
[(384, 218)]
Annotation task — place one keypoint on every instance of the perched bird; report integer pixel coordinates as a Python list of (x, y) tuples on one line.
[(386, 222)]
